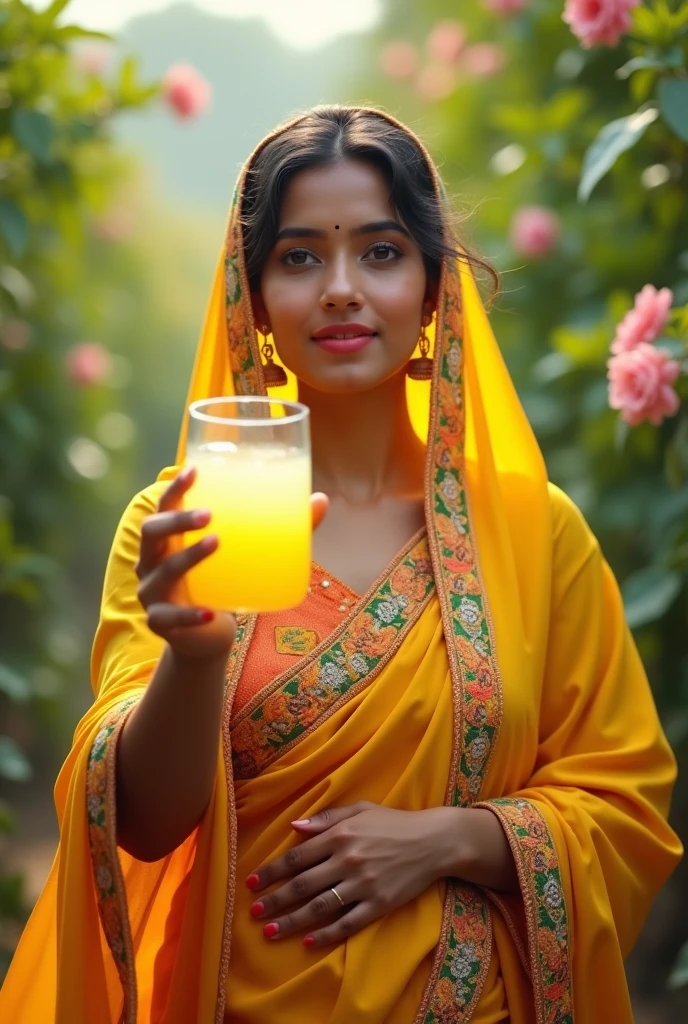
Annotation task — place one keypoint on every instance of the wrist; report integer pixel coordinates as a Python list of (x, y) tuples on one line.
[(450, 851), (196, 665)]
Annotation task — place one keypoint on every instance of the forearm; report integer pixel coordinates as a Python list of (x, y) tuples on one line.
[(167, 755), (471, 845)]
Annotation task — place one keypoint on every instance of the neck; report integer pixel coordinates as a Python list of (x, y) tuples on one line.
[(364, 446)]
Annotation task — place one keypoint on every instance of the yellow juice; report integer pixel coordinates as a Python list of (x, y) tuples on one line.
[(259, 497)]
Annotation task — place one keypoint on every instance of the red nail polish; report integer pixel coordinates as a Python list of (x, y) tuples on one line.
[(253, 881), (309, 941), (206, 615), (270, 930), (257, 910)]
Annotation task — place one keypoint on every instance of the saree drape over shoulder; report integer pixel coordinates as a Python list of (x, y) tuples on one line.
[(490, 665)]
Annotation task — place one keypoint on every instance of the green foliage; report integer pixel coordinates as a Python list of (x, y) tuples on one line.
[(59, 173)]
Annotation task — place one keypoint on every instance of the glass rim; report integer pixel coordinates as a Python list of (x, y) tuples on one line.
[(300, 411)]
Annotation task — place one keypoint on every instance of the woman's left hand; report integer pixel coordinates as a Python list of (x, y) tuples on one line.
[(376, 858)]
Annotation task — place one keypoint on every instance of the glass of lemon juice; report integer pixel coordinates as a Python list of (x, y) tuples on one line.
[(253, 462)]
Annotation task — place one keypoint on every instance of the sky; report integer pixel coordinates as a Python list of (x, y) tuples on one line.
[(302, 24)]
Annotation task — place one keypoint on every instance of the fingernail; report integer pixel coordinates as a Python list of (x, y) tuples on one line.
[(270, 930), (309, 941), (302, 821), (201, 517), (206, 615), (253, 881), (209, 543), (257, 910)]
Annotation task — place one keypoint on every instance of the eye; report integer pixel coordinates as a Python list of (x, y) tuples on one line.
[(297, 258), (382, 251)]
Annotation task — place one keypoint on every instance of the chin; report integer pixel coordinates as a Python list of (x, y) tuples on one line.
[(347, 379)]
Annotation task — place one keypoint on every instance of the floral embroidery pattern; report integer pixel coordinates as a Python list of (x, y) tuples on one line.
[(543, 897), (295, 640), (243, 345), (463, 968), (298, 701), (101, 817)]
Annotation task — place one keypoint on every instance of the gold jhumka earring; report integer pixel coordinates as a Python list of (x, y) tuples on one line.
[(420, 368), (274, 375)]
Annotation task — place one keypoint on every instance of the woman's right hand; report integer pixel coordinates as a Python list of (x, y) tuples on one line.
[(191, 632)]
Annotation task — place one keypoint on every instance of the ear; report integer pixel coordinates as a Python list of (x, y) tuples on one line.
[(260, 313), (430, 300)]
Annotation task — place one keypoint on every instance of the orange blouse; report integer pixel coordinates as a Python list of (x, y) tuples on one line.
[(281, 639)]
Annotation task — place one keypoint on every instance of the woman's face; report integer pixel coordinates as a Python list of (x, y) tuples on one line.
[(342, 258)]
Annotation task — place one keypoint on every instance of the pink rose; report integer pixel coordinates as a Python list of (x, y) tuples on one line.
[(535, 231), (640, 384), (505, 8), (436, 82), (399, 59), (88, 363), (599, 21), (186, 91), (646, 321), (482, 60), (446, 42)]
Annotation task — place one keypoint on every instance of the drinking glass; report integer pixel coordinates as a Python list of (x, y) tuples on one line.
[(253, 462)]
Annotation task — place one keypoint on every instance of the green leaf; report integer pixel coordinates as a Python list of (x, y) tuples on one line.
[(14, 226), (34, 131), (13, 764), (648, 594), (672, 94), (68, 32), (54, 10), (614, 139), (652, 62), (15, 686), (679, 973)]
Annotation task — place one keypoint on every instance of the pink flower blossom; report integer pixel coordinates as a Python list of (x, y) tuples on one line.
[(599, 21), (186, 91), (436, 82), (88, 363), (482, 60), (640, 384), (505, 8), (535, 231), (446, 42), (399, 59), (646, 321)]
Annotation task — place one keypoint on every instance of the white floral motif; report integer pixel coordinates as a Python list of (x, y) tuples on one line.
[(449, 487), (481, 647), (104, 878), (469, 613), (552, 892), (93, 804), (231, 280), (333, 676), (387, 611), (478, 749), (462, 961), (454, 361), (458, 523), (359, 664)]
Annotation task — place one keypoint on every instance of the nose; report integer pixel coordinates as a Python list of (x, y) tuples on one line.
[(341, 289)]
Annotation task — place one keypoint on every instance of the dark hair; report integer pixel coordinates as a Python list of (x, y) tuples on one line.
[(326, 135)]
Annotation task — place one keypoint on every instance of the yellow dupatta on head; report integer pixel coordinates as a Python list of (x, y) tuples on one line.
[(533, 702)]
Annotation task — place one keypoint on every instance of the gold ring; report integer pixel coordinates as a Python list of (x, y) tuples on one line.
[(338, 896)]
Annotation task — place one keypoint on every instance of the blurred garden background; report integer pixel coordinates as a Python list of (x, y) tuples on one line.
[(565, 146)]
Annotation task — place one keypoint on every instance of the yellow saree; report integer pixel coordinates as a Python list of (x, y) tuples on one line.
[(490, 664)]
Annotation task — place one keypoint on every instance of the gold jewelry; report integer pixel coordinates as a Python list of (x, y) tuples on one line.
[(421, 367), (273, 374), (338, 896)]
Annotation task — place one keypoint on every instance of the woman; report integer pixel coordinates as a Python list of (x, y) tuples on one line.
[(437, 791)]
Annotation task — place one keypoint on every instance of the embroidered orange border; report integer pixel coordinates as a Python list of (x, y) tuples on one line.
[(101, 815), (537, 865)]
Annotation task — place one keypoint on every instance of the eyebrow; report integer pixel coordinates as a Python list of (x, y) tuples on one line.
[(364, 229)]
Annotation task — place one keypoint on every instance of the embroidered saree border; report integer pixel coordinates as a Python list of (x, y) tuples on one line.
[(299, 700), (539, 876), (101, 814)]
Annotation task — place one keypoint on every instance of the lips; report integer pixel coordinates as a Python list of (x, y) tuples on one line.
[(343, 339)]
